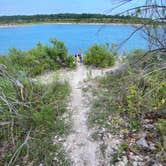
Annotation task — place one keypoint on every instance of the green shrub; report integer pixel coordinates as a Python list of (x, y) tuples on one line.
[(99, 56), (39, 59), (60, 51), (71, 61)]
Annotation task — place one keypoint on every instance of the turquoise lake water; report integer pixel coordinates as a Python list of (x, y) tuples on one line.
[(74, 35)]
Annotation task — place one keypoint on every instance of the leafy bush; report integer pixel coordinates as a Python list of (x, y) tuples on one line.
[(71, 61), (99, 56), (40, 59)]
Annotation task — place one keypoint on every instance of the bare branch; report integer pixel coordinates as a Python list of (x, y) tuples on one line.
[(142, 8), (130, 36), (117, 6), (151, 51)]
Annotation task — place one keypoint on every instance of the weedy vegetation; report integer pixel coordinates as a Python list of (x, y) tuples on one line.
[(132, 104), (31, 114)]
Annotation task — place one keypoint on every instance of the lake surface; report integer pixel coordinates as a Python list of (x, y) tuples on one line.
[(74, 36)]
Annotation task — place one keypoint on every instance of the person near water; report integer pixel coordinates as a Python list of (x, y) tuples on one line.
[(79, 59), (79, 52)]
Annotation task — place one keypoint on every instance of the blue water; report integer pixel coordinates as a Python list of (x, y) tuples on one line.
[(74, 35)]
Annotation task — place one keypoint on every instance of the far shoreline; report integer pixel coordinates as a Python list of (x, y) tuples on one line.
[(63, 23)]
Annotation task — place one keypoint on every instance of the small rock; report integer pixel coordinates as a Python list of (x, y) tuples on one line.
[(142, 142), (139, 158), (124, 159), (157, 164), (55, 159), (61, 139), (147, 121), (149, 126), (136, 158), (135, 163), (146, 158), (152, 146), (123, 162)]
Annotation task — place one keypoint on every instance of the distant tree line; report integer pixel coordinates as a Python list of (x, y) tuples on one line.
[(69, 17)]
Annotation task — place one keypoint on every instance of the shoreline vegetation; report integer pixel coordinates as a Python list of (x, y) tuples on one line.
[(21, 20), (129, 104), (32, 114)]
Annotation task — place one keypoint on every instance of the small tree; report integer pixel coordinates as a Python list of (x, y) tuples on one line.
[(98, 56)]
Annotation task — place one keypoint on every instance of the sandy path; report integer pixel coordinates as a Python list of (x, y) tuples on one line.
[(78, 144), (82, 150)]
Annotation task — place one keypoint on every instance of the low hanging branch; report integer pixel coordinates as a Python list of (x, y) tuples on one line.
[(130, 36), (153, 14), (142, 8)]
